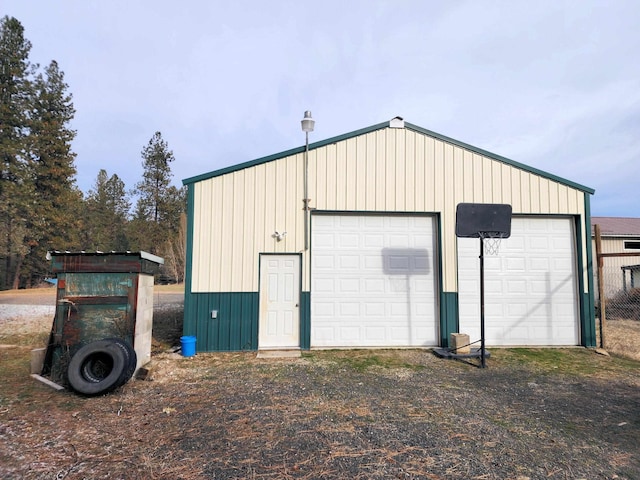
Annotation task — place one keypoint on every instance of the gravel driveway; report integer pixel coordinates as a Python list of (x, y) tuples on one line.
[(376, 414), (359, 415)]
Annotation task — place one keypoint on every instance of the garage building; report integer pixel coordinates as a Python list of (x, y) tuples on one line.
[(379, 264)]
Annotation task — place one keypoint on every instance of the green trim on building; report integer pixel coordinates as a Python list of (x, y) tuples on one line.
[(499, 158), (286, 153), (189, 326), (448, 316), (236, 325), (588, 324), (305, 320), (442, 308), (587, 305), (380, 126)]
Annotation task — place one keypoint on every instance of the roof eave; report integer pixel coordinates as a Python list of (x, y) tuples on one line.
[(286, 153), (380, 126), (500, 158)]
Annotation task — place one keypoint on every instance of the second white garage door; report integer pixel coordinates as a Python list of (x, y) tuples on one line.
[(530, 286), (373, 281)]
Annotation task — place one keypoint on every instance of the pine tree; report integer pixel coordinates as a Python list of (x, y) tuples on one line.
[(55, 222), (15, 178), (107, 214), (159, 206)]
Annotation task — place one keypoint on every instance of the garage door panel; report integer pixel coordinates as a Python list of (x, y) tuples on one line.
[(373, 334), (538, 264), (350, 309), (493, 285), (515, 309), (516, 264), (561, 264), (373, 241), (325, 309), (534, 305), (324, 285), (325, 262), (382, 263), (324, 240), (373, 286), (422, 286), (373, 310)]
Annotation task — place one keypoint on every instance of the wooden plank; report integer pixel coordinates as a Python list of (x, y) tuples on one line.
[(97, 300), (601, 292), (47, 382), (625, 254)]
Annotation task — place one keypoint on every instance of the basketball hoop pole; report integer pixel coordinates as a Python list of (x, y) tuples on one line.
[(486, 221), (482, 359)]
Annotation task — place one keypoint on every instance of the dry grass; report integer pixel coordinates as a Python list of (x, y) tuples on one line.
[(533, 413), (331, 414), (622, 337), (47, 289), (173, 288)]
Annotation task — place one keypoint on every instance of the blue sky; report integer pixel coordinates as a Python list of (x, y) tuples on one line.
[(551, 84)]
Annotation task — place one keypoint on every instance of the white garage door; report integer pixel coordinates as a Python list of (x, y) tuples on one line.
[(373, 281), (530, 286)]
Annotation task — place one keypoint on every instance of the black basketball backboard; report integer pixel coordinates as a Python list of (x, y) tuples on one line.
[(474, 220)]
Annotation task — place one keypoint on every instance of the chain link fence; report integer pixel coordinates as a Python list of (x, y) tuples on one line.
[(621, 288)]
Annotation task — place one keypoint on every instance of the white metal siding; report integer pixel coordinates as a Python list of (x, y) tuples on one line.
[(614, 280), (530, 286), (388, 170), (373, 281)]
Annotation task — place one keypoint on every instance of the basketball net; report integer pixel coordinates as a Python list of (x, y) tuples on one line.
[(491, 242)]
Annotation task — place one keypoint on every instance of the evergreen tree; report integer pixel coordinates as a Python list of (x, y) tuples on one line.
[(107, 214), (15, 179), (55, 222), (157, 215)]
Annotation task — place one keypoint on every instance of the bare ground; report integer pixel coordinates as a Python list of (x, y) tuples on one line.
[(532, 414)]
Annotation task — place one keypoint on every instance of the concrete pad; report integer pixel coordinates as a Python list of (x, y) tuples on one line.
[(297, 353)]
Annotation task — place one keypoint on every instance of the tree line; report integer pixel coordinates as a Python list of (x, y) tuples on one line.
[(41, 207)]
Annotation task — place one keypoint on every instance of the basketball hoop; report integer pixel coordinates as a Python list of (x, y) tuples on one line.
[(490, 223), (491, 242)]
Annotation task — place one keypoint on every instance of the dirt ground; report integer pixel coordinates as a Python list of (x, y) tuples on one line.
[(373, 414)]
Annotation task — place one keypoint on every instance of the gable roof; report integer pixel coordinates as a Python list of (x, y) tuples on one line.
[(617, 226), (393, 123)]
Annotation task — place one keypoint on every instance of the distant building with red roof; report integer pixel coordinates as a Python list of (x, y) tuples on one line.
[(618, 235)]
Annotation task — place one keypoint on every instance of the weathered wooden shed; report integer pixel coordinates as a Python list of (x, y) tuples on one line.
[(98, 296), (382, 266)]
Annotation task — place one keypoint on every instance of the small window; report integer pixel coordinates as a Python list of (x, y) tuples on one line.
[(632, 245)]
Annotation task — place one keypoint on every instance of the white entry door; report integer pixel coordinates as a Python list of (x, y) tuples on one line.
[(279, 301)]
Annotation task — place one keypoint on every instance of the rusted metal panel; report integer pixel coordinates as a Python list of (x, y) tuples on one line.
[(127, 262)]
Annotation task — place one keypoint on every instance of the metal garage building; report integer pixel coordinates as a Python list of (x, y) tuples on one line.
[(380, 265)]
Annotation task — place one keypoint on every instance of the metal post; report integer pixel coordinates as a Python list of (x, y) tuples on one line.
[(482, 357), (307, 126), (601, 292), (306, 196)]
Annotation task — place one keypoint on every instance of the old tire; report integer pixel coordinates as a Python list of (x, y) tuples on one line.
[(132, 359), (92, 369), (98, 368)]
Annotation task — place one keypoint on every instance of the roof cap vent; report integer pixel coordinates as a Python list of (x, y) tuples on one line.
[(396, 122)]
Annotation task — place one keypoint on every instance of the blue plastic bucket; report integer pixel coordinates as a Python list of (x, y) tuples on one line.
[(188, 346)]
